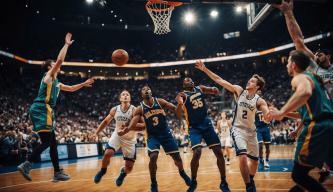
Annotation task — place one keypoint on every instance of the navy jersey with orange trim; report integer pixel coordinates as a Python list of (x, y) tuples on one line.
[(195, 108), (155, 119), (259, 120)]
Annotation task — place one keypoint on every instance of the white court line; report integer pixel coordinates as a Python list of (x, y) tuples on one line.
[(146, 174)]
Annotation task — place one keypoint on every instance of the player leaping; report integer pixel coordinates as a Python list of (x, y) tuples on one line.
[(42, 113), (243, 128)]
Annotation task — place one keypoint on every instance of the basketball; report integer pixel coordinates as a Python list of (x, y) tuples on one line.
[(120, 57)]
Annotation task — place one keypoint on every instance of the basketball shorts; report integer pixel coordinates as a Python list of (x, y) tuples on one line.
[(204, 130), (245, 142), (263, 135), (226, 141), (315, 144), (127, 146), (42, 117), (168, 143)]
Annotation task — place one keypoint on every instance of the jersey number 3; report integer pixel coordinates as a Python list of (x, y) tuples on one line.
[(155, 121), (197, 103)]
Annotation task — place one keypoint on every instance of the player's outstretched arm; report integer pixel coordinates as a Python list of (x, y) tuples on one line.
[(230, 87), (303, 91), (286, 7), (180, 100), (262, 106), (106, 121), (61, 58), (209, 90), (167, 105), (73, 88)]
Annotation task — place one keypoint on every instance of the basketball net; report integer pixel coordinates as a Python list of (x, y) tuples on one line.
[(160, 11)]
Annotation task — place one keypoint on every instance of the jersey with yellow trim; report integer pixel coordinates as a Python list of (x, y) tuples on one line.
[(155, 119), (48, 93), (195, 108), (41, 111), (318, 107)]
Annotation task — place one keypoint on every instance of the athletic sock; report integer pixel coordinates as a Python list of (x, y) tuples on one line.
[(103, 170)]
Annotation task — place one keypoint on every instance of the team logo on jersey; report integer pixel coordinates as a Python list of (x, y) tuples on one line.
[(194, 96), (246, 105), (154, 112), (122, 118)]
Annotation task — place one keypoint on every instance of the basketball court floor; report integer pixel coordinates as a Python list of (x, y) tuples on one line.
[(82, 171)]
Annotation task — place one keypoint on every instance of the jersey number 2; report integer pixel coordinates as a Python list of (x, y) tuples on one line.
[(244, 116)]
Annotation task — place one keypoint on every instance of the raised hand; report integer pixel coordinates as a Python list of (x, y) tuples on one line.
[(88, 83), (285, 6), (68, 39), (179, 98), (200, 65), (275, 114)]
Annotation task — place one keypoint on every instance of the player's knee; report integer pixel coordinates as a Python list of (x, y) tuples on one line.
[(109, 153), (153, 156), (197, 153), (242, 159), (260, 146), (176, 157), (267, 147)]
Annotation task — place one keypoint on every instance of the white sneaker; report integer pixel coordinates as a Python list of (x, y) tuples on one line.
[(228, 162), (266, 164)]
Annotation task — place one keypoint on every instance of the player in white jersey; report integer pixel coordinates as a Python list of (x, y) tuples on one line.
[(223, 126), (122, 114), (321, 60), (243, 128)]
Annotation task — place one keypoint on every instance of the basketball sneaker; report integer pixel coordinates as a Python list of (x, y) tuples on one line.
[(60, 176), (266, 164), (228, 161), (224, 187), (121, 177), (24, 168), (99, 176)]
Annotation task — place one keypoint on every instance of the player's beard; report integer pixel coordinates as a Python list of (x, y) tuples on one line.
[(188, 87)]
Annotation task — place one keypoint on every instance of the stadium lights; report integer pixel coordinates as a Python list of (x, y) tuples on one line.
[(214, 13), (189, 18), (239, 9), (89, 1)]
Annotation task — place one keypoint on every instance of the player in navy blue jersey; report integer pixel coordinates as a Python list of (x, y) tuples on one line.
[(158, 132), (264, 138), (200, 126)]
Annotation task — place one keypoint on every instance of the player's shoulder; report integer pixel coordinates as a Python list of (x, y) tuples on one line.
[(113, 110)]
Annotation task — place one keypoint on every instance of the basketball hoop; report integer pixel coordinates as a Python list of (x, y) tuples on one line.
[(160, 11)]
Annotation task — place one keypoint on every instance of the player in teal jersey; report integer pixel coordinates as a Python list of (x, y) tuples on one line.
[(320, 65), (158, 132), (42, 113), (311, 100)]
